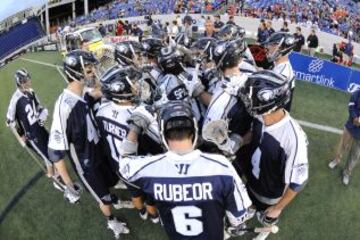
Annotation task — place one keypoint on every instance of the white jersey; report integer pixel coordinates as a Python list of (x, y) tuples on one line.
[(192, 199), (112, 122), (286, 70), (279, 159)]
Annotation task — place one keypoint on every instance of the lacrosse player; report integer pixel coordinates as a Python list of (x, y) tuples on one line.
[(129, 53), (27, 117), (231, 32), (193, 190), (278, 168), (73, 133), (120, 86), (226, 111), (279, 45)]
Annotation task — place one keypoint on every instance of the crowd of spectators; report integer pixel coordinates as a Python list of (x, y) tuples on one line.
[(333, 16)]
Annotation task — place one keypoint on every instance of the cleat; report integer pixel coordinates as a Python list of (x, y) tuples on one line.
[(123, 204), (117, 227), (143, 214), (333, 164), (120, 185)]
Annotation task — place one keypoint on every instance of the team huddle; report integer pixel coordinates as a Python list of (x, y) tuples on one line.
[(198, 134)]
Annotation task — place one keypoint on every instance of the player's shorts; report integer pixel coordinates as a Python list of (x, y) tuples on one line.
[(110, 176), (39, 145), (96, 183)]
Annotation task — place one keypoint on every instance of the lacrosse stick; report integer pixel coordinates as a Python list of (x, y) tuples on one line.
[(36, 160)]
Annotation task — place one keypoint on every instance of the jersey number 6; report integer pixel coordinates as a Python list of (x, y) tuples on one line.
[(185, 220)]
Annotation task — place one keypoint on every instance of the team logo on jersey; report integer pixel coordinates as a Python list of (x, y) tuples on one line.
[(353, 87), (316, 65), (117, 87), (58, 137)]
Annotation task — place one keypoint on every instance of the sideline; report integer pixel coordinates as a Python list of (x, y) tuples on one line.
[(17, 197)]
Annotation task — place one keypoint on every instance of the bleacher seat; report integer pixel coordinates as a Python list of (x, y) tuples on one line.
[(19, 36)]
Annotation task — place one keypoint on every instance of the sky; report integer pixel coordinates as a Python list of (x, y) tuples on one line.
[(10, 7)]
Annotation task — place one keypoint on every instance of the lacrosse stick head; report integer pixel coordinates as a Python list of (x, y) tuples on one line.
[(216, 131), (105, 55)]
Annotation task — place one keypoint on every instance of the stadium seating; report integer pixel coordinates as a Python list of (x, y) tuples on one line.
[(19, 36), (130, 8), (324, 13)]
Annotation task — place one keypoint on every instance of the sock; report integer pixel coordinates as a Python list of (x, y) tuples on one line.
[(142, 211)]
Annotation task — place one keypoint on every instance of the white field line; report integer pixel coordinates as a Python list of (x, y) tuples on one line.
[(39, 62), (58, 68), (320, 127)]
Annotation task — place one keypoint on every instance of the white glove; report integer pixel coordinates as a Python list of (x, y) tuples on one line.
[(11, 124), (237, 231), (192, 83), (141, 118), (231, 145), (43, 116)]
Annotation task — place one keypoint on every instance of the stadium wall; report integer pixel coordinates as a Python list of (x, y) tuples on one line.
[(325, 73)]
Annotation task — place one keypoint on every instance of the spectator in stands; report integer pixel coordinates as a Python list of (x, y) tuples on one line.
[(136, 31), (263, 32), (209, 28), (285, 27), (102, 30), (231, 20), (201, 22), (350, 137), (119, 28), (337, 54), (312, 42), (218, 23), (188, 26), (348, 53), (127, 27), (300, 40), (270, 28), (167, 28), (174, 29)]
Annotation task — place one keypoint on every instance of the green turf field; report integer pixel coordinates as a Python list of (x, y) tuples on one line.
[(324, 210)]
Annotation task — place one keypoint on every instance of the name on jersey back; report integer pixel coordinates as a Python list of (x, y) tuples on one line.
[(183, 192)]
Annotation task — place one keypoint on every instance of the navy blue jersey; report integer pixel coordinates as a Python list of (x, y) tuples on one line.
[(228, 107), (354, 112), (192, 199), (25, 109), (279, 159), (73, 130)]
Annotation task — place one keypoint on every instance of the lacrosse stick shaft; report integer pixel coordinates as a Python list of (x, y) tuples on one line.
[(272, 229), (23, 144), (32, 155)]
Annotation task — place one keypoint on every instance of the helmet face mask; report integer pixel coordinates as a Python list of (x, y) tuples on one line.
[(129, 53), (170, 60), (279, 44), (265, 92), (81, 66), (23, 79), (229, 54), (120, 84)]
